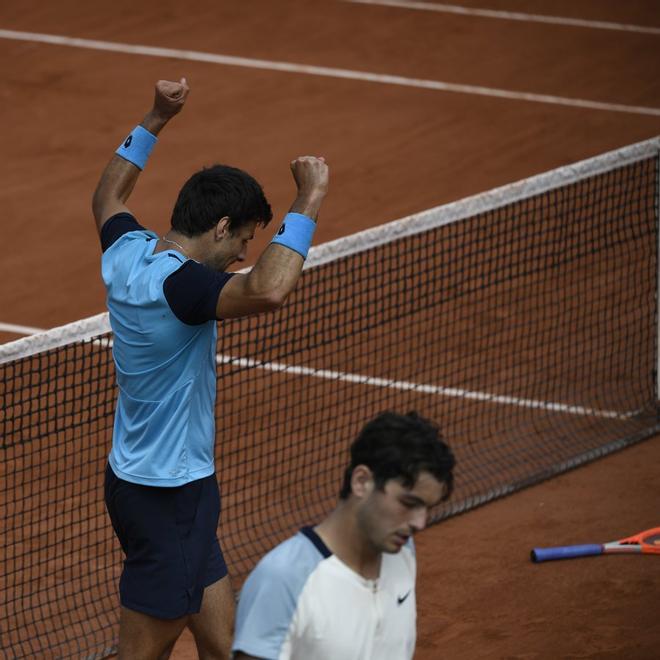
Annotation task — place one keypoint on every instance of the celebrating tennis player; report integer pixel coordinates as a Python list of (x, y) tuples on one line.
[(345, 589), (164, 295)]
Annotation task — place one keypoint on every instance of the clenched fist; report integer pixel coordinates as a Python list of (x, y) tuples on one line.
[(311, 176), (170, 97)]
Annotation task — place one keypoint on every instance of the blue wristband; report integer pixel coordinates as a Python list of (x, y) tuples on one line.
[(296, 232), (137, 146)]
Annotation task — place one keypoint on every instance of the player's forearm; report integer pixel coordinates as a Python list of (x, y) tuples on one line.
[(120, 176), (121, 173), (279, 266), (275, 275), (308, 203), (114, 188), (265, 287), (154, 121), (116, 182)]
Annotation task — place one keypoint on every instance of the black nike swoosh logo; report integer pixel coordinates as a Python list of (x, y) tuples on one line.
[(400, 599)]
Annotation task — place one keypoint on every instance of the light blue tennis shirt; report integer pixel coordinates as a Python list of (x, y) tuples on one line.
[(164, 428)]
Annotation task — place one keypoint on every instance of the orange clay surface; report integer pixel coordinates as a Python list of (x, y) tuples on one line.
[(393, 150)]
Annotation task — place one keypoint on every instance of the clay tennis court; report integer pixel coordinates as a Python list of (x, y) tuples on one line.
[(394, 149)]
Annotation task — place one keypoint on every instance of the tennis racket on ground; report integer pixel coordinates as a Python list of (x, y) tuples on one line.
[(646, 542)]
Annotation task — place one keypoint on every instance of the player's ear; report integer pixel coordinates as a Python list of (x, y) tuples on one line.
[(362, 481), (222, 228)]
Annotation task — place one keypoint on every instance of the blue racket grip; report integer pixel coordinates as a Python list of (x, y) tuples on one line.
[(566, 552)]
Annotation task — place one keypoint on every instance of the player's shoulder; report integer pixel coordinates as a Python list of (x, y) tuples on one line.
[(287, 568), (271, 594), (118, 226), (279, 578), (192, 289), (298, 555)]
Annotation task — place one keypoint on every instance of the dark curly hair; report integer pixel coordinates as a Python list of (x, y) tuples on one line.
[(395, 446), (216, 192)]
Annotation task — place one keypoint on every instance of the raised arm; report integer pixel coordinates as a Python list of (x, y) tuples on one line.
[(120, 175), (277, 270)]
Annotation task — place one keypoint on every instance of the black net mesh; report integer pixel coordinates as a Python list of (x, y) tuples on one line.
[(527, 332)]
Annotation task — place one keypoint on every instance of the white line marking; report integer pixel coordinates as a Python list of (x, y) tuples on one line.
[(329, 72), (359, 379), (511, 15), (20, 329), (453, 392)]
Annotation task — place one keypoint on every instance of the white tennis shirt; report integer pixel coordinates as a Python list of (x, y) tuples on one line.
[(302, 602)]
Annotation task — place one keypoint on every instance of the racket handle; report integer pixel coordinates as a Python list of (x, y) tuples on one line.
[(566, 552)]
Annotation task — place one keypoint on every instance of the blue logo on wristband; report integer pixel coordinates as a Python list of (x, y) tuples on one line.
[(137, 147), (296, 233)]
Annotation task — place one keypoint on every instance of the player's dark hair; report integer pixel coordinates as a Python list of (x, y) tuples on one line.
[(395, 446), (216, 192)]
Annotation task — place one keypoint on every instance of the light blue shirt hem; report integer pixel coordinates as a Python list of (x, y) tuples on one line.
[(186, 478)]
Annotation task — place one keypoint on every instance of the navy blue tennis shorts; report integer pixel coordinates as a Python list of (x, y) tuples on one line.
[(169, 538)]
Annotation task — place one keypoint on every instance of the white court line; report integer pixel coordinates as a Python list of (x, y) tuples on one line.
[(329, 72), (20, 329), (359, 379), (453, 392), (511, 15)]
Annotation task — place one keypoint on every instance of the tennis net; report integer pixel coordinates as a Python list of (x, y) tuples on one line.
[(523, 320)]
